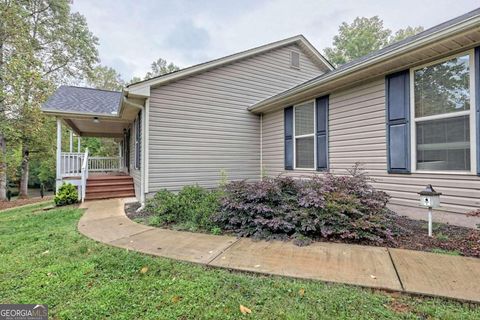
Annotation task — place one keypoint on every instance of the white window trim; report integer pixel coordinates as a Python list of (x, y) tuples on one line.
[(471, 113), (291, 60), (305, 136)]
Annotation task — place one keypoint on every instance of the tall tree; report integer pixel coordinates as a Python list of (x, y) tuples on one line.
[(160, 67), (106, 78), (13, 51), (362, 36), (61, 50)]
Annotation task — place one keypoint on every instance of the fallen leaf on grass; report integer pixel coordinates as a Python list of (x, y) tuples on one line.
[(245, 310), (176, 299), (144, 270), (46, 252), (301, 292)]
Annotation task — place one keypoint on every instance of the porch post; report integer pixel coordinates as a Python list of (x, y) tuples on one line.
[(71, 141), (59, 154), (120, 165), (78, 144)]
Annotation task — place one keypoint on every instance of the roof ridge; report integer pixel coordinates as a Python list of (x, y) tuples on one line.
[(285, 41), (89, 88)]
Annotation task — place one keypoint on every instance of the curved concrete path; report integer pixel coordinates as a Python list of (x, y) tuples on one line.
[(391, 269)]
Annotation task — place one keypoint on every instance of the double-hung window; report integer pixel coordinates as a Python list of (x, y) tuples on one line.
[(443, 135), (304, 140)]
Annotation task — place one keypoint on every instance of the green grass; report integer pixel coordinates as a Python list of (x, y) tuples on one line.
[(449, 252), (43, 259)]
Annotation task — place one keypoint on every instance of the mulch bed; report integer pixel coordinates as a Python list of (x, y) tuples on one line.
[(446, 238), (22, 202)]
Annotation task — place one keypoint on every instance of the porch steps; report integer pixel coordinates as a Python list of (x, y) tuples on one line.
[(105, 187)]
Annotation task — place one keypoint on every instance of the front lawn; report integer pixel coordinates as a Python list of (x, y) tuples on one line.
[(43, 259)]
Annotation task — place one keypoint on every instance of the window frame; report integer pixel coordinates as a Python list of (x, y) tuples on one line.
[(314, 134), (471, 113)]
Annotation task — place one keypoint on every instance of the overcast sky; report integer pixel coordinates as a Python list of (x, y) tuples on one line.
[(132, 34)]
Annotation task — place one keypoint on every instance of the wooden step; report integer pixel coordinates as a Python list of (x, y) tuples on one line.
[(109, 195), (107, 177), (101, 183), (111, 188)]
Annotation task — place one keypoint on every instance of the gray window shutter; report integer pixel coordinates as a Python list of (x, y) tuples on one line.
[(288, 129), (322, 133), (398, 122), (138, 133), (477, 103)]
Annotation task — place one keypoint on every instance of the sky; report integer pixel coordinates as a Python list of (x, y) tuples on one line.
[(133, 33)]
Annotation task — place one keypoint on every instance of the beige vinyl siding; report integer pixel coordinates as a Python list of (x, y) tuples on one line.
[(357, 132), (200, 125)]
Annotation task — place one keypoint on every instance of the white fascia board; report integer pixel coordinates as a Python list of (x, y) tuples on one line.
[(428, 39), (141, 87)]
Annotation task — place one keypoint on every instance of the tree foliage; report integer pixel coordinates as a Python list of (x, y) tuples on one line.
[(362, 36), (160, 67), (44, 45), (106, 78)]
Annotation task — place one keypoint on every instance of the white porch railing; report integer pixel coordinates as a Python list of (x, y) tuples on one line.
[(105, 164), (84, 174), (71, 164)]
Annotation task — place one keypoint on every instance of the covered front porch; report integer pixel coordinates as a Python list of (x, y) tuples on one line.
[(85, 112)]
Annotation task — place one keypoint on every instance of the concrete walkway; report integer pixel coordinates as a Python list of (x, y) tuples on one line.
[(391, 269)]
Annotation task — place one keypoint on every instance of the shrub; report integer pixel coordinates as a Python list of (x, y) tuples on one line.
[(191, 208), (326, 206), (67, 194)]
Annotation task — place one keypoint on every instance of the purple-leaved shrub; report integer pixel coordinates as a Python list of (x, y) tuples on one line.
[(326, 206)]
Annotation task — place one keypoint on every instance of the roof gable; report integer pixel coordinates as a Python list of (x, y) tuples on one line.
[(142, 88)]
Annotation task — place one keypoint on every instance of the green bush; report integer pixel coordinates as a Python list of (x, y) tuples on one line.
[(67, 194), (192, 208)]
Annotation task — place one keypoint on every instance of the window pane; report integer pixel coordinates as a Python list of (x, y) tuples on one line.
[(443, 87), (304, 120), (444, 144), (304, 151)]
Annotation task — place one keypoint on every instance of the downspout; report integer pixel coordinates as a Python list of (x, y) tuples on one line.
[(261, 146)]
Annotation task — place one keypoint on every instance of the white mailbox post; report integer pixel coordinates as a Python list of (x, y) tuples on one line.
[(431, 199)]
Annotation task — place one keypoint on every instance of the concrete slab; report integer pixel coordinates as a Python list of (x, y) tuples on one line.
[(186, 246), (110, 229), (438, 274), (102, 209), (358, 265)]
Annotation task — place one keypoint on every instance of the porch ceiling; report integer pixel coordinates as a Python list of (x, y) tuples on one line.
[(86, 127)]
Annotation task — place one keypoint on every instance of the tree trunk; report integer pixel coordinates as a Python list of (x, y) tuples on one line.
[(3, 169), (23, 194)]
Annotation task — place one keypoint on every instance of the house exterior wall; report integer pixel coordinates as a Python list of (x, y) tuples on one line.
[(357, 132), (200, 125)]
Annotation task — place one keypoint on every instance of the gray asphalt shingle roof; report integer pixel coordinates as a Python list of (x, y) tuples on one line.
[(84, 100)]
